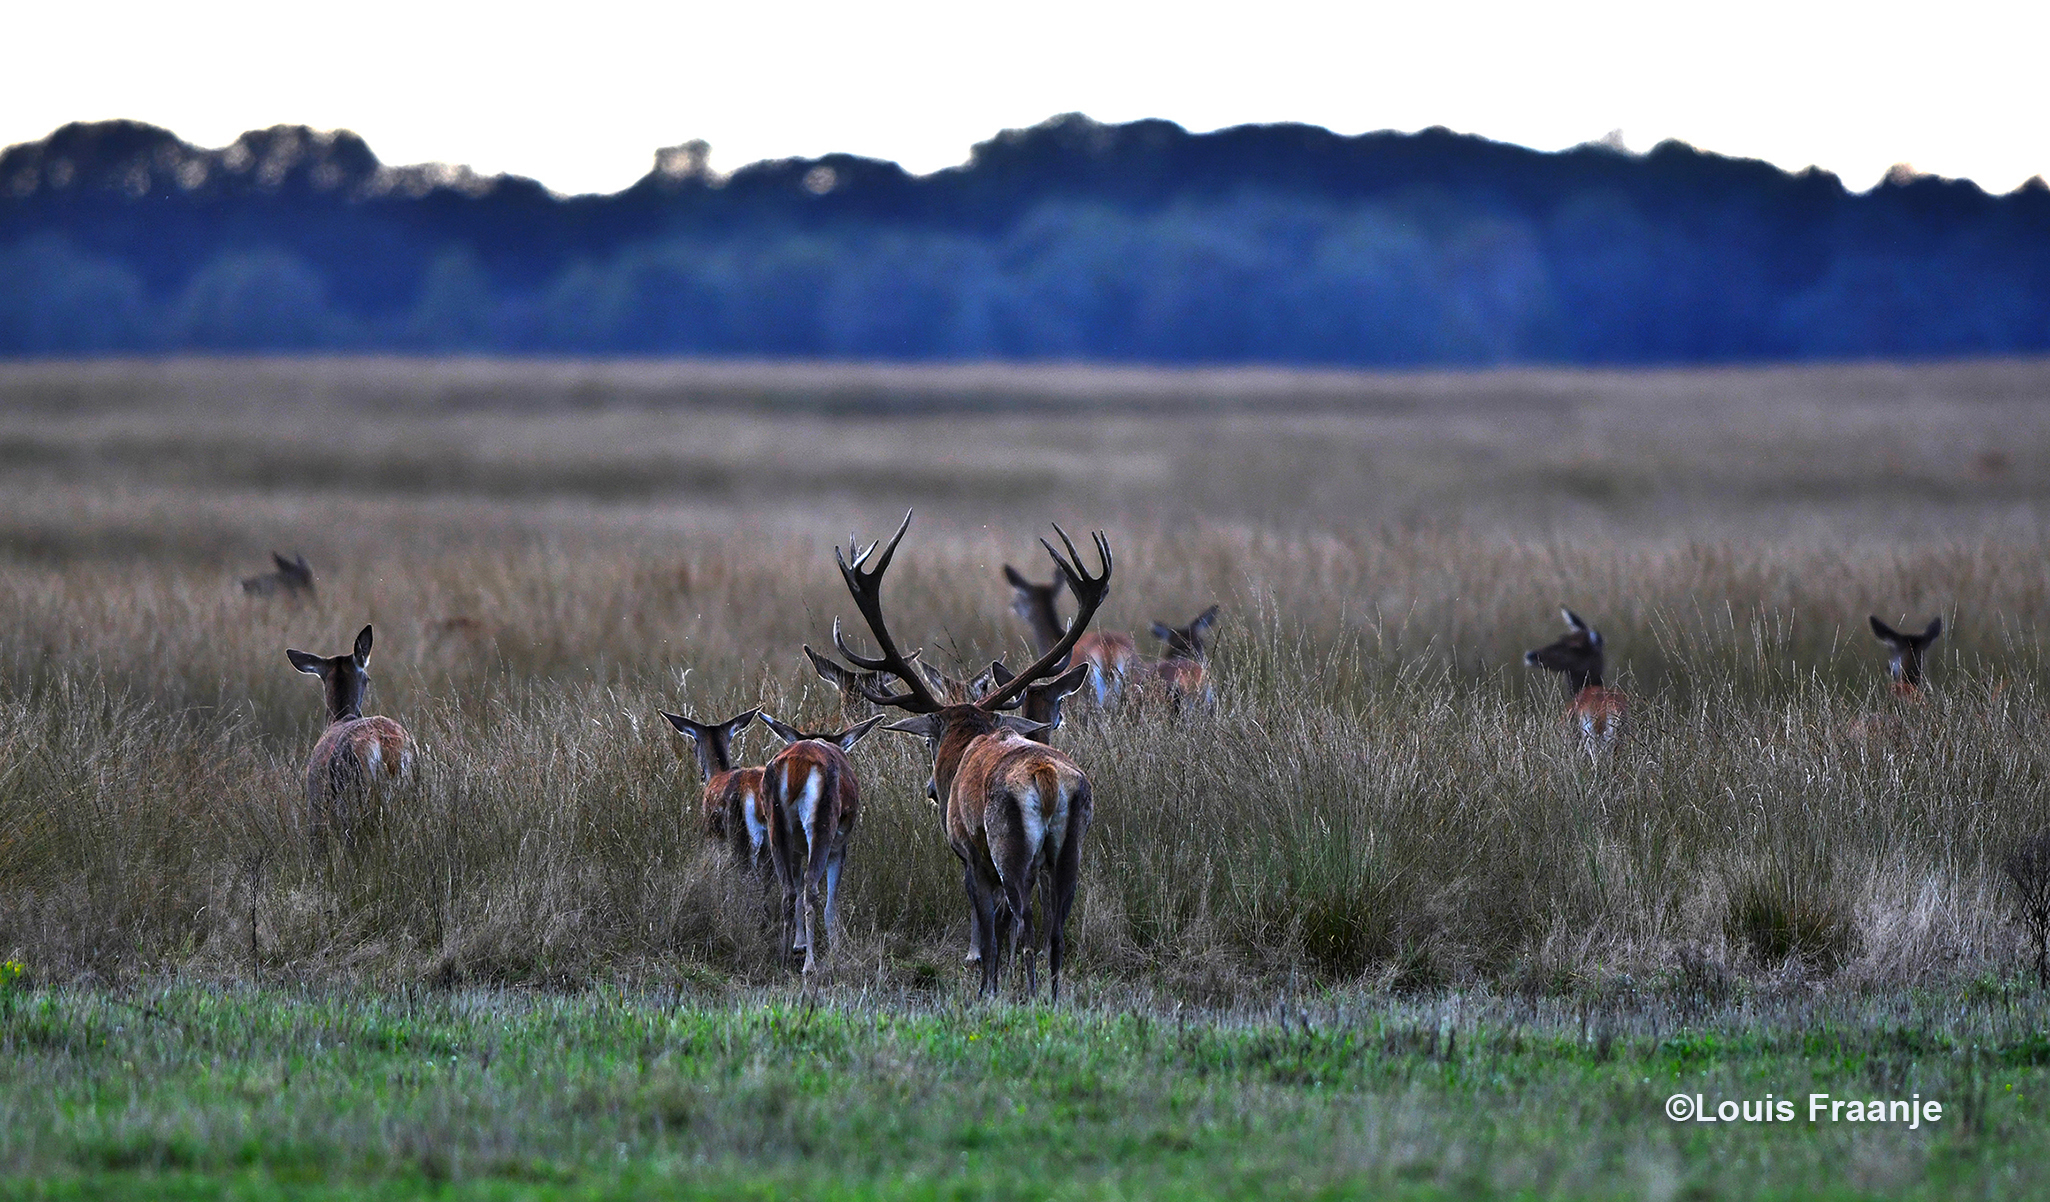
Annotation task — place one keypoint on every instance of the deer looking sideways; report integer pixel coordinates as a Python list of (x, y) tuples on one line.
[(1596, 710), (1182, 674), (356, 757), (813, 801), (735, 810), (1016, 810)]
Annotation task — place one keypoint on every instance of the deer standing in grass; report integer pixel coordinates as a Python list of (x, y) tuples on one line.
[(1904, 669), (357, 757), (1596, 711), (292, 579), (1905, 651), (1016, 810), (734, 807), (813, 801), (1113, 658), (1184, 672)]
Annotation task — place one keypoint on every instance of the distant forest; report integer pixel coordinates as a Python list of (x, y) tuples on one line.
[(1070, 240)]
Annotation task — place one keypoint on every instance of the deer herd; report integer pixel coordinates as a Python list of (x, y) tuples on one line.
[(1015, 808)]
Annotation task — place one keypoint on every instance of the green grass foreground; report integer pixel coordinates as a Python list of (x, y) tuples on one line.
[(199, 1092)]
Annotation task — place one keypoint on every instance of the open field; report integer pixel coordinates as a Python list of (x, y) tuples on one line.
[(1382, 815)]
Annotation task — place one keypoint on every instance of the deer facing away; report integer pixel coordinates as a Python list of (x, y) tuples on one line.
[(813, 801), (1016, 810), (357, 758), (734, 808)]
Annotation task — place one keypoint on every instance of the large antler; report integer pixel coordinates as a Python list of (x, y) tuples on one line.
[(867, 589), (1089, 591)]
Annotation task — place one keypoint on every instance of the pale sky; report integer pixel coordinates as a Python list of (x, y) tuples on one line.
[(580, 95)]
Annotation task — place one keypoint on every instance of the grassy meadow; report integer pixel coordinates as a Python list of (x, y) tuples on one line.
[(1381, 829)]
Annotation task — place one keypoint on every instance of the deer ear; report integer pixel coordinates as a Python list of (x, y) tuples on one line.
[(1001, 675), (362, 651), (1881, 631), (928, 725), (828, 670), (1162, 632), (683, 725), (284, 565), (1067, 682), (1016, 578), (846, 739), (1205, 620), (933, 676), (733, 726), (1573, 621), (1935, 628), (789, 734), (312, 665), (1024, 726)]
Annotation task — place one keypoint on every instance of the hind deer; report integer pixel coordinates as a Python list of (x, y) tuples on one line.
[(356, 757), (1016, 809), (1905, 651), (813, 801), (734, 808), (1113, 659), (1596, 710), (293, 579), (1184, 672)]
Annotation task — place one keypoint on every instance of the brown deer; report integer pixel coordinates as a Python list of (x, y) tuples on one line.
[(1595, 711), (1042, 702), (813, 801), (292, 579), (356, 757), (1905, 651), (1113, 659), (735, 808), (1016, 810), (1184, 672), (1904, 670)]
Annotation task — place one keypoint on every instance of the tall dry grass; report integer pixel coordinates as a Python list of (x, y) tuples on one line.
[(1383, 792)]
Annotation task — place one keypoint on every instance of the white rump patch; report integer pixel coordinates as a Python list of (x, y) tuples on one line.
[(751, 815), (808, 804)]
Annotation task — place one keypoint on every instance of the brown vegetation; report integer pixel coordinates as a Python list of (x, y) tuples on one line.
[(1380, 793)]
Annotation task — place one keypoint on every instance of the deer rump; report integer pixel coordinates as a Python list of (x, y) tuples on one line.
[(737, 814), (351, 759), (813, 801), (1016, 815)]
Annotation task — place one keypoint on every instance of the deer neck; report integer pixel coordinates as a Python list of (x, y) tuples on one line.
[(1046, 624)]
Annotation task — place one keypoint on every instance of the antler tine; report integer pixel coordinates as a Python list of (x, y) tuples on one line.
[(864, 662), (866, 588), (1089, 591)]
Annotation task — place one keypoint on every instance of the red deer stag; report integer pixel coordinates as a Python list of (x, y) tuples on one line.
[(357, 756), (1016, 810), (1184, 672), (813, 802), (292, 579), (1113, 659), (735, 810), (1596, 711)]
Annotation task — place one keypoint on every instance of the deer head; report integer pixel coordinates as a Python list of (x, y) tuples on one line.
[(712, 741), (1577, 656), (345, 676), (1905, 651), (1186, 642)]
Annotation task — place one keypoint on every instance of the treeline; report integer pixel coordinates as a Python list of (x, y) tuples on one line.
[(1069, 240)]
